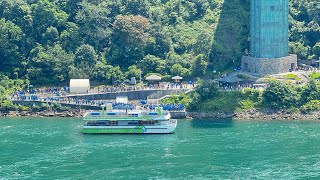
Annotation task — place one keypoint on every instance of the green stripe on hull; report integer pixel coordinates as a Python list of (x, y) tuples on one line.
[(137, 130)]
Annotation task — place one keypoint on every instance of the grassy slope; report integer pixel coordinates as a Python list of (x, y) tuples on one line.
[(227, 101)]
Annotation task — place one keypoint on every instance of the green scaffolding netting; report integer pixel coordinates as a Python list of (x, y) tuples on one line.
[(269, 28)]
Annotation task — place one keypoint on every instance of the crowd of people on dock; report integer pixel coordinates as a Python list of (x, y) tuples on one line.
[(64, 91), (56, 91), (163, 85), (228, 87), (99, 103), (169, 107), (59, 95)]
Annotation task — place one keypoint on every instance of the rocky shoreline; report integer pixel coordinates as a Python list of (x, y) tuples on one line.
[(247, 115), (72, 113), (255, 115)]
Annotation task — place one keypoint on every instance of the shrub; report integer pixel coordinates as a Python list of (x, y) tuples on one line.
[(65, 108), (315, 75), (293, 110), (44, 106), (313, 105), (291, 76), (6, 105), (280, 95), (226, 101), (177, 99), (35, 108), (246, 104), (252, 94), (23, 108), (206, 90), (56, 106)]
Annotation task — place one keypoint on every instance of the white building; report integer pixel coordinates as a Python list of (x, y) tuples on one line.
[(79, 85)]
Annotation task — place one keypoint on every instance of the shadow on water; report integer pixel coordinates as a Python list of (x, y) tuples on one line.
[(207, 123), (231, 38)]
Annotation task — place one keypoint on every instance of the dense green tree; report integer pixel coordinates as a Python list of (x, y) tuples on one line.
[(85, 54), (133, 71), (129, 39), (152, 64), (46, 14), (94, 24), (316, 50), (310, 92), (71, 7), (115, 8), (10, 43), (200, 66), (115, 74), (137, 7), (7, 88), (70, 37), (280, 95), (203, 44), (19, 12), (159, 44), (49, 65), (204, 91), (178, 70), (50, 36), (100, 72), (299, 49), (81, 71), (155, 35)]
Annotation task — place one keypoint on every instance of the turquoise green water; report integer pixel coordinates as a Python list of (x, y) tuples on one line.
[(200, 149)]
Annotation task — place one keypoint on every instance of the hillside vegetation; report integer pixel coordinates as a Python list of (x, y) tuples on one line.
[(51, 41), (278, 96)]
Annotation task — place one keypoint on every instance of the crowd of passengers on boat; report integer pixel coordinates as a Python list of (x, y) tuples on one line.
[(115, 123)]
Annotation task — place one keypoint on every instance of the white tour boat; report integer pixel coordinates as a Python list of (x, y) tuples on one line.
[(129, 122)]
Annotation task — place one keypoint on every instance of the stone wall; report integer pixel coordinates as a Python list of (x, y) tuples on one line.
[(178, 114), (73, 106), (265, 66), (132, 95)]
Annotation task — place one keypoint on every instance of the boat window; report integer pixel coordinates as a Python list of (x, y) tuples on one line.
[(112, 123), (153, 113), (132, 122), (111, 113), (101, 122), (95, 114)]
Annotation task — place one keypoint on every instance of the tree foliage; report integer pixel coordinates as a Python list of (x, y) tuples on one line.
[(280, 95), (170, 37), (129, 39)]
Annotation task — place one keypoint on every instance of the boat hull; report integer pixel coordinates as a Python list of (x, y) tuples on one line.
[(168, 129)]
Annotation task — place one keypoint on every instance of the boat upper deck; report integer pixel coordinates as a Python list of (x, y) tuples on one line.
[(127, 115)]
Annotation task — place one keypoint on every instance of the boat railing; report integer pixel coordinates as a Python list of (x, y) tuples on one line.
[(122, 114)]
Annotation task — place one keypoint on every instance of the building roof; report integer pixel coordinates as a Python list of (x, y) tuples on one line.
[(177, 78), (232, 78), (153, 77)]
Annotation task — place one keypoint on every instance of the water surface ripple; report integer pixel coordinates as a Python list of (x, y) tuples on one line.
[(54, 148)]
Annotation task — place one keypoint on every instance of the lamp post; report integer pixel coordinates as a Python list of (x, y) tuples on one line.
[(140, 75)]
